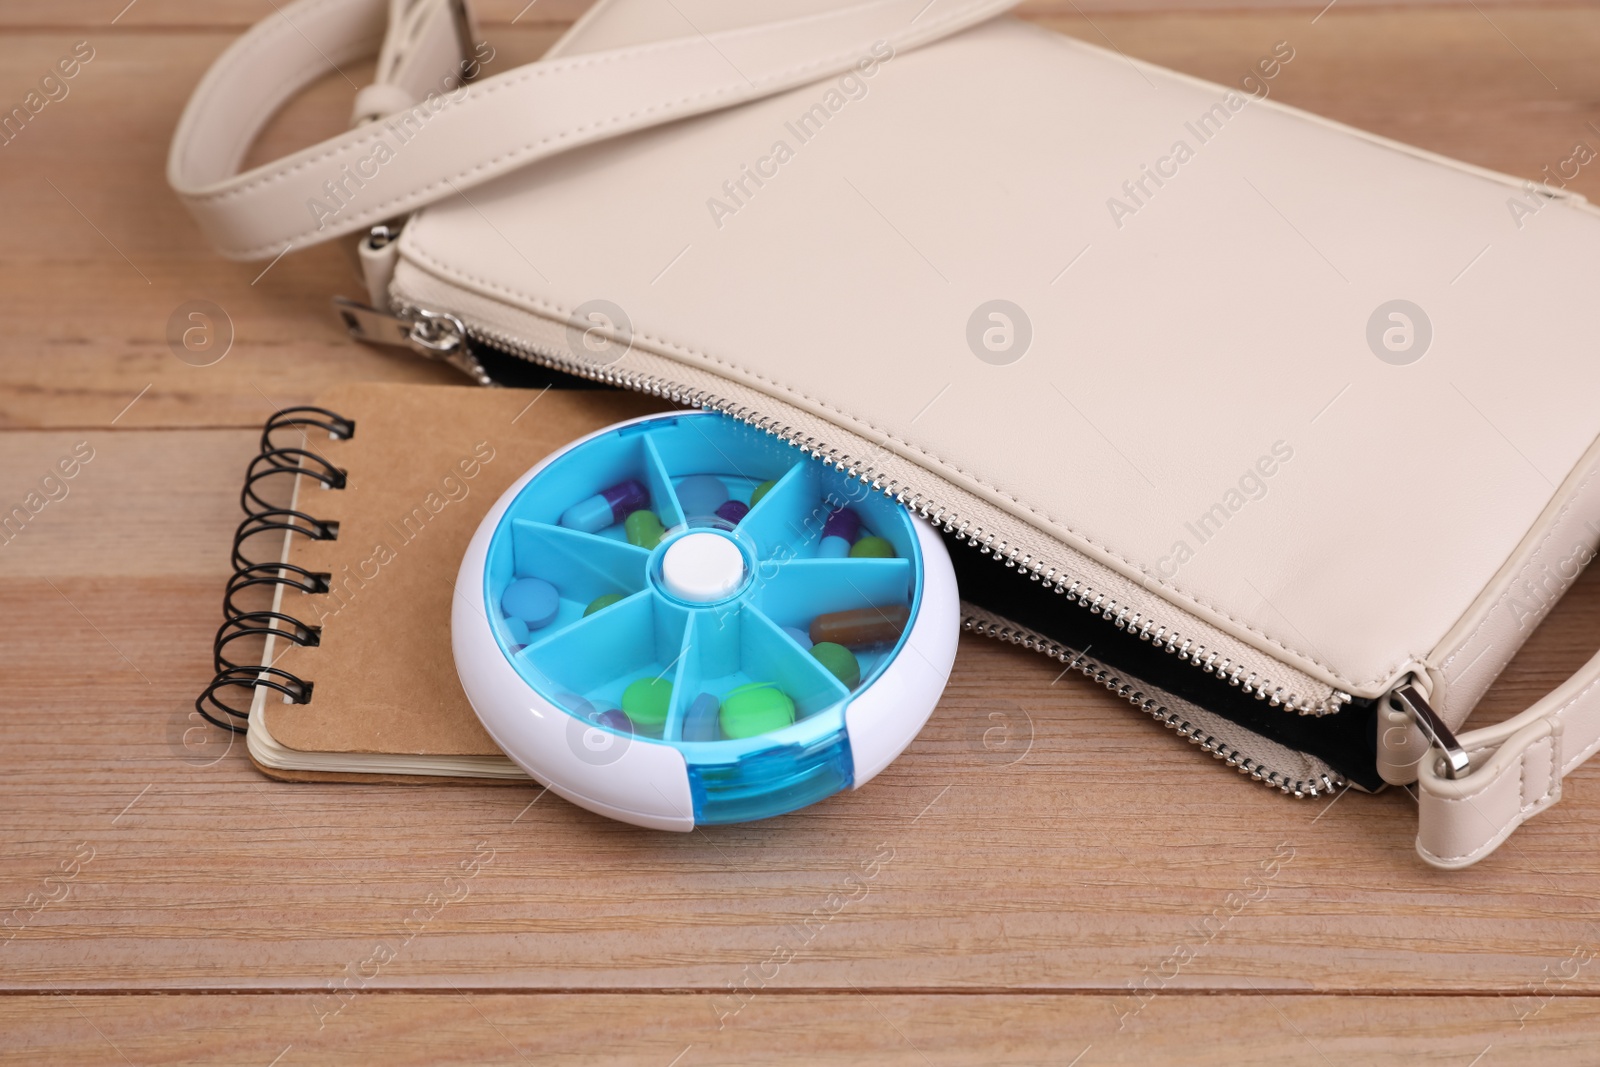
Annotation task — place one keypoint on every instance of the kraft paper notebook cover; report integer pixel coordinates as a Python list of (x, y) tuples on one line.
[(421, 469)]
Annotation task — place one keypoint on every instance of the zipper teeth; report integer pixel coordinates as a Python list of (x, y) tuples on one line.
[(1084, 595), (1195, 735)]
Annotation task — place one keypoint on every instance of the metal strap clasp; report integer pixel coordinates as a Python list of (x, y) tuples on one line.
[(1455, 762)]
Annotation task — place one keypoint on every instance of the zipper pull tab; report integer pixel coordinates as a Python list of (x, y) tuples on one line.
[(430, 334), (1455, 763)]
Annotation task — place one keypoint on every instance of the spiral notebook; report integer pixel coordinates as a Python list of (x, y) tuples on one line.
[(358, 512)]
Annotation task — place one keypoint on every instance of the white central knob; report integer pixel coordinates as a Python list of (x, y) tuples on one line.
[(702, 567)]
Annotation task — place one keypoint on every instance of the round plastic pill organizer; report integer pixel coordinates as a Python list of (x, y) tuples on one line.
[(676, 670)]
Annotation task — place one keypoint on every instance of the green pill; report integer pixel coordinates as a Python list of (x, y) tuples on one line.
[(840, 661), (872, 548), (754, 709), (647, 700), (601, 602), (644, 529), (761, 491)]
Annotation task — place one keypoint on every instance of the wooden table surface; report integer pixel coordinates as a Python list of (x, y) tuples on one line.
[(1065, 891)]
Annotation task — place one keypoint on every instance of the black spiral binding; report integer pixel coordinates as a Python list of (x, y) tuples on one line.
[(263, 517)]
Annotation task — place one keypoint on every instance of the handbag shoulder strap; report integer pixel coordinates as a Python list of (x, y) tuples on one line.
[(424, 134), (1514, 772)]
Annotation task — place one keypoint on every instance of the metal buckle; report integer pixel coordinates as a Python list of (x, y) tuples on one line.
[(1454, 762), (465, 38)]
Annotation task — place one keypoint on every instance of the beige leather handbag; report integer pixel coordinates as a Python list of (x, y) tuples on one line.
[(1284, 432)]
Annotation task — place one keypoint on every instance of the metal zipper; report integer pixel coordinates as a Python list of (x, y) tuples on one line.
[(442, 336), (430, 334), (1133, 694)]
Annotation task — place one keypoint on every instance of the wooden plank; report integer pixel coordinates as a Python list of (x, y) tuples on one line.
[(91, 271), (1038, 835), (94, 270), (238, 15), (138, 505), (1479, 90), (663, 1030)]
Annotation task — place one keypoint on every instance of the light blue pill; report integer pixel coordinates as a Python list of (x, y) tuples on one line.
[(833, 548), (701, 495), (700, 721), (533, 600), (577, 705), (591, 515), (800, 636), (515, 630)]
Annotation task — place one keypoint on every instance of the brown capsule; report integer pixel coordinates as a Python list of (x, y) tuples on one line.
[(861, 627)]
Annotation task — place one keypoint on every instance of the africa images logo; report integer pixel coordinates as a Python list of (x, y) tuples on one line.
[(1399, 332)]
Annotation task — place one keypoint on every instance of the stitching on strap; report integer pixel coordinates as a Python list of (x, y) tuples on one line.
[(1453, 805), (264, 35), (537, 70)]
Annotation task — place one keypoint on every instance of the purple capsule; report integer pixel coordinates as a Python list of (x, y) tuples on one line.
[(733, 511), (839, 533), (607, 507), (615, 719)]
